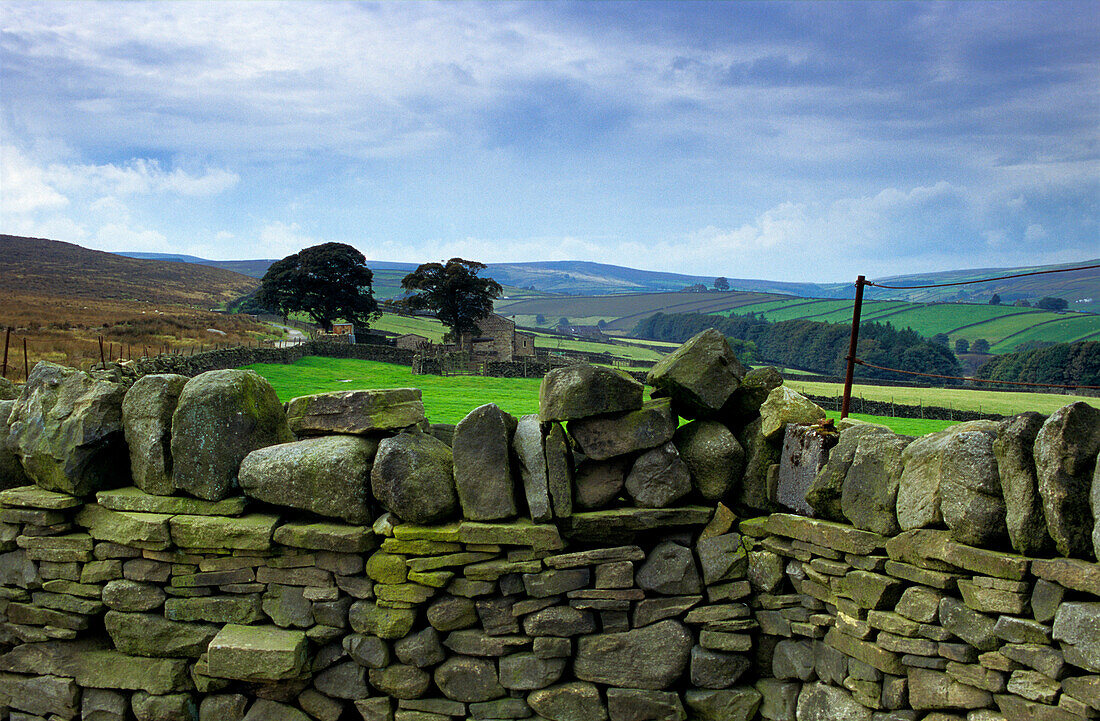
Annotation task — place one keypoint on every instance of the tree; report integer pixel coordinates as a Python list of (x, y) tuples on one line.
[(962, 345), (454, 291), (981, 345), (326, 281), (721, 284), (1051, 303), (940, 339), (540, 319), (995, 300), (1022, 303)]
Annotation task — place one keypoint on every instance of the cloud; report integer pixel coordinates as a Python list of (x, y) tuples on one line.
[(139, 176), (26, 187), (118, 236), (279, 239)]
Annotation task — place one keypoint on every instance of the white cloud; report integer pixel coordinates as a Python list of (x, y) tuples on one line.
[(138, 177), (25, 187), (119, 236), (279, 239)]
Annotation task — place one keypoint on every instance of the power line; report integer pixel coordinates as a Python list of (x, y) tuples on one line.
[(973, 380), (981, 280)]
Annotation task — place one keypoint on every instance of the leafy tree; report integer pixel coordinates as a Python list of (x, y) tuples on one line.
[(540, 319), (1022, 303), (941, 339), (721, 284), (995, 300), (326, 281), (601, 323), (1051, 303), (454, 291), (981, 345), (962, 345)]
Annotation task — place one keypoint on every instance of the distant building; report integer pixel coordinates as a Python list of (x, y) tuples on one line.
[(498, 339), (411, 341), (590, 332)]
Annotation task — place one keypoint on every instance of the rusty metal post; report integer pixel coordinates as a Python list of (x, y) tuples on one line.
[(26, 364), (856, 308), (7, 340), (102, 358)]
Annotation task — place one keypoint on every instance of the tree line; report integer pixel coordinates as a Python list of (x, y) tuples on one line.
[(1062, 364), (811, 345)]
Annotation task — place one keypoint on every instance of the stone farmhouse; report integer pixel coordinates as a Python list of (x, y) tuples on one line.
[(498, 340)]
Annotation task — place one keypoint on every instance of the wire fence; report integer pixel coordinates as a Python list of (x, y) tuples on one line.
[(853, 360)]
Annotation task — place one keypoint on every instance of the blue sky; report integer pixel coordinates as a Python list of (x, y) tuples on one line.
[(790, 141)]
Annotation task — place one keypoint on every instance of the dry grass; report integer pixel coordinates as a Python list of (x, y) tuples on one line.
[(66, 329)]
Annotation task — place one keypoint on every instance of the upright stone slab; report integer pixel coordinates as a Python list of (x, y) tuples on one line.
[(559, 471), (826, 491), (785, 405), (1065, 459), (713, 455), (604, 437), (700, 375), (413, 477), (531, 454), (658, 478), (355, 412), (580, 391), (919, 491), (757, 493), (329, 476), (11, 470), (66, 428), (147, 412), (971, 501), (870, 491), (220, 418), (482, 449), (1014, 451), (744, 405), (1096, 510), (805, 449)]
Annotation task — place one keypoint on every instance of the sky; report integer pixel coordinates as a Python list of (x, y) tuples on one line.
[(805, 141)]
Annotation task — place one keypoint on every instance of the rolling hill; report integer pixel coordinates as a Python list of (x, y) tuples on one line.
[(50, 267)]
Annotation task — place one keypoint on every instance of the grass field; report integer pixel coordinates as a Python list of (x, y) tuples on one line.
[(449, 399)]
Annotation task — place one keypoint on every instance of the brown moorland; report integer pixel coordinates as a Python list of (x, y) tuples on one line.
[(61, 298)]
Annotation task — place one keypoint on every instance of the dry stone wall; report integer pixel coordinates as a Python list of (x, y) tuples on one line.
[(192, 549)]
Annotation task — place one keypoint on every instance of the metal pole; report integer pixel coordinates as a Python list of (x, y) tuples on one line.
[(102, 359), (856, 308), (26, 364), (7, 340)]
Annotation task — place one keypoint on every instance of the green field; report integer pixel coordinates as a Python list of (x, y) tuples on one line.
[(449, 399)]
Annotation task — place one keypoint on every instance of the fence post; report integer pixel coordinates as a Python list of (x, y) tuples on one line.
[(102, 358), (7, 339), (26, 364), (856, 308)]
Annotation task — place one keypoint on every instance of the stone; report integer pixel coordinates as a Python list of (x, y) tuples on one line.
[(805, 450), (713, 456), (1066, 448), (220, 418), (559, 471), (169, 707), (132, 596), (67, 429), (367, 650), (11, 469), (652, 657), (357, 412), (469, 679), (669, 570), (632, 704), (329, 476), (147, 423), (581, 391), (539, 537), (1070, 573), (559, 621), (136, 500), (321, 536), (735, 704), (267, 710), (257, 653), (388, 623), (574, 701), (722, 558), (527, 444), (1014, 451), (421, 649), (347, 680), (146, 634), (223, 707), (761, 456), (45, 695), (779, 699), (658, 478), (400, 681), (970, 489), (34, 497), (598, 483), (919, 490), (413, 478), (451, 613), (715, 669), (287, 606), (141, 530), (623, 523), (555, 582), (785, 405), (482, 464), (793, 659), (604, 437), (835, 536), (114, 670), (1077, 625), (1094, 500), (244, 609), (744, 405), (103, 705), (246, 533), (700, 375), (931, 690), (821, 702), (527, 671), (870, 490), (825, 493), (973, 627)]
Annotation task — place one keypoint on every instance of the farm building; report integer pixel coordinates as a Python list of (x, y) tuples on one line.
[(498, 340), (410, 341)]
